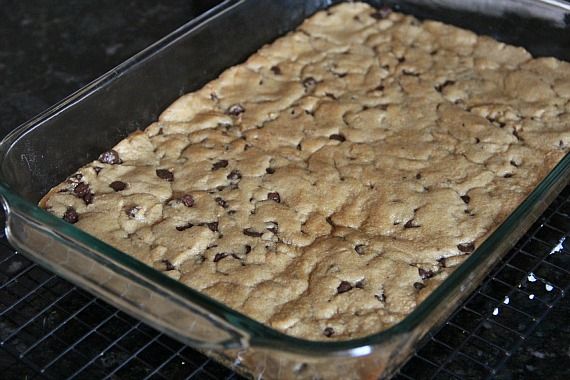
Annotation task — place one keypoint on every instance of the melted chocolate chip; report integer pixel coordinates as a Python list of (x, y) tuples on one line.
[(187, 200), (440, 87), (273, 227), (466, 247), (132, 211), (235, 110), (110, 157), (380, 297), (251, 232), (344, 287), (270, 170), (118, 185), (184, 227), (419, 285), (164, 174), (219, 165), (88, 198), (274, 196), (309, 82), (360, 248), (466, 199), (425, 273), (70, 215), (220, 256), (275, 70), (222, 202), (337, 137), (411, 224), (81, 189), (168, 265), (234, 175), (381, 13), (328, 332), (213, 226)]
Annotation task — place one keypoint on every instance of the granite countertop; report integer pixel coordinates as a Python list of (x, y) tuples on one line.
[(49, 49)]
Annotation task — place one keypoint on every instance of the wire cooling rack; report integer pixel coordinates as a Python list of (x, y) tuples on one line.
[(50, 329)]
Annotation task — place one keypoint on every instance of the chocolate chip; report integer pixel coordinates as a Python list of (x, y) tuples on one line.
[(270, 170), (425, 273), (275, 70), (272, 227), (309, 82), (222, 202), (184, 227), (328, 332), (251, 232), (359, 284), (164, 174), (81, 189), (187, 200), (168, 265), (274, 196), (70, 215), (110, 157), (441, 86), (118, 185), (466, 247), (219, 165), (381, 13), (235, 110), (234, 175), (380, 297), (411, 224), (97, 169), (360, 248), (344, 287), (337, 137), (132, 211), (419, 285), (88, 198), (220, 256), (247, 249), (213, 226), (466, 199)]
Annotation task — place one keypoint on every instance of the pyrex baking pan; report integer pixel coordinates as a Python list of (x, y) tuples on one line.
[(42, 152)]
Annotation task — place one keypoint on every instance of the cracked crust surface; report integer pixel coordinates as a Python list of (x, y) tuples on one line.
[(328, 184)]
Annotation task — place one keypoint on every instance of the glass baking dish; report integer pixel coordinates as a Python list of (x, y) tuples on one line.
[(42, 152)]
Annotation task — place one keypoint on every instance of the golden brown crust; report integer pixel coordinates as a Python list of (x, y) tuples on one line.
[(329, 183)]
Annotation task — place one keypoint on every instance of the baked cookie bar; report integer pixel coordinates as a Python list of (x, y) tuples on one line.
[(329, 183)]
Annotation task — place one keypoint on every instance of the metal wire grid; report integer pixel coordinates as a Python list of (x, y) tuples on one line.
[(51, 329), (502, 313)]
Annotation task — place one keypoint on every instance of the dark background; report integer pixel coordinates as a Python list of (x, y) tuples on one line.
[(50, 48)]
